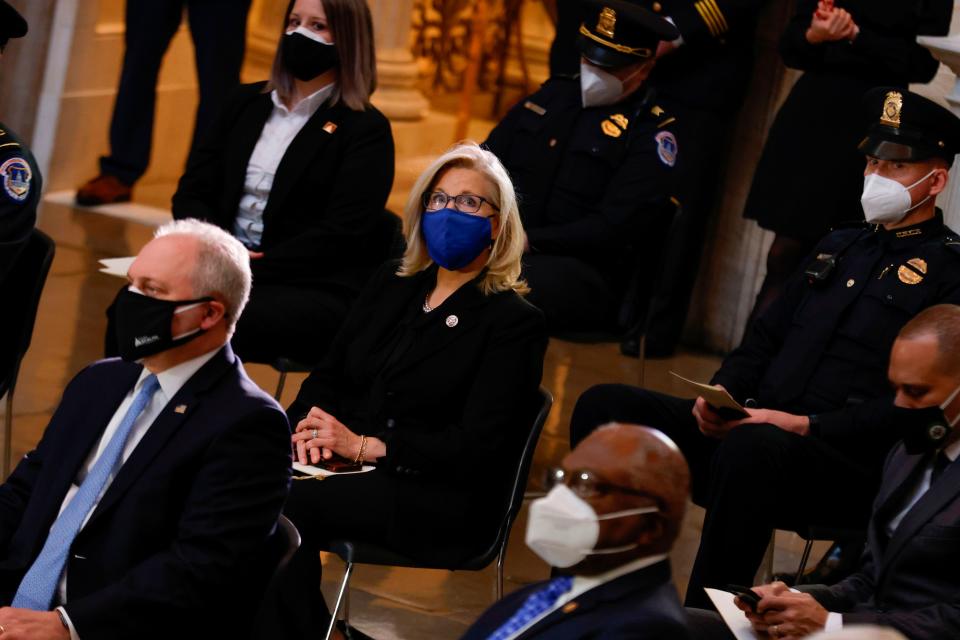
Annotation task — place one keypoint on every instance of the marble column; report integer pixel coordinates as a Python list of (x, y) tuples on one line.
[(397, 94), (947, 51)]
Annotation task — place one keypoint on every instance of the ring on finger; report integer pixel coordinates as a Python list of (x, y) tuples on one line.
[(775, 631), (316, 434)]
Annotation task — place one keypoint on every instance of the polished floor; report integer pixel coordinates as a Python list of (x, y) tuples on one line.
[(386, 603)]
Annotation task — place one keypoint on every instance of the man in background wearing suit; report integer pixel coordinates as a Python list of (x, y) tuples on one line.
[(907, 577), (146, 509), (609, 521)]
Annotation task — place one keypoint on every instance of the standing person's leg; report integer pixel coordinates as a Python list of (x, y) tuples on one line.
[(763, 477), (149, 28), (783, 260), (219, 32)]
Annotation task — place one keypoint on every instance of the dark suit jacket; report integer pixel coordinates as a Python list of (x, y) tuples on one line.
[(179, 541), (642, 604), (909, 581), (322, 223), (454, 409)]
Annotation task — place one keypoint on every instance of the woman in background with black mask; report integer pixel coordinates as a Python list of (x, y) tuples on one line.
[(433, 378), (299, 168)]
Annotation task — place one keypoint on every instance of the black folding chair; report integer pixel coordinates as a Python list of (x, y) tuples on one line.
[(21, 291), (355, 552)]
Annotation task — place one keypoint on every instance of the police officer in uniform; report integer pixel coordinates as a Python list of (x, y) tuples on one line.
[(19, 176), (592, 158), (812, 368)]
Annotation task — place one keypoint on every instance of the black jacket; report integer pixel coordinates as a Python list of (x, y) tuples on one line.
[(454, 408), (328, 195), (907, 581), (823, 348)]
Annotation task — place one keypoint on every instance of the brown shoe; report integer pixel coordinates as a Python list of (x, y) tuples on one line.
[(104, 189)]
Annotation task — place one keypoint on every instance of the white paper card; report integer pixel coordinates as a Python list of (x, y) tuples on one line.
[(739, 626), (317, 471)]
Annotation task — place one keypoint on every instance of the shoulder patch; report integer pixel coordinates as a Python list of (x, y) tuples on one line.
[(667, 148), (16, 175)]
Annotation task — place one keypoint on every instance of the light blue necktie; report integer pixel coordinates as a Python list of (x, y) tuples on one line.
[(537, 603), (40, 582)]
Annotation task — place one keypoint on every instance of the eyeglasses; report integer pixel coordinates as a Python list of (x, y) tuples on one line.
[(584, 483), (464, 203)]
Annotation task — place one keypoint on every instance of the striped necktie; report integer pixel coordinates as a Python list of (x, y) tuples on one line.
[(40, 582)]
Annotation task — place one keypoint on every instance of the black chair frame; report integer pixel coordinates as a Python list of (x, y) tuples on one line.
[(355, 552)]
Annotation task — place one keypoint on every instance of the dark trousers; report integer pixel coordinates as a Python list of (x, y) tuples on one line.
[(218, 30), (572, 293), (757, 479), (288, 322), (702, 146)]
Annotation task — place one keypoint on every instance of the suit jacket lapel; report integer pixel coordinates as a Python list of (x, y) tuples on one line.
[(932, 502), (249, 126), (893, 490), (308, 143), (165, 426)]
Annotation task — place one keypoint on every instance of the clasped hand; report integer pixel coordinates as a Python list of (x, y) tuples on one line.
[(320, 435), (784, 614), (713, 425), (831, 24)]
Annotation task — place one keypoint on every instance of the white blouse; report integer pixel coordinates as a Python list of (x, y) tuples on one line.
[(281, 128)]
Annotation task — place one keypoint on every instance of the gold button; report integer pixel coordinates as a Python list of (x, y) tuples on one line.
[(553, 142), (657, 7), (851, 282), (570, 607)]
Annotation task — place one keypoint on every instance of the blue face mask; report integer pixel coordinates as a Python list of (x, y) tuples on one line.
[(455, 239)]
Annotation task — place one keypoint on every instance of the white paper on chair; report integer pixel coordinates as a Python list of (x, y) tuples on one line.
[(734, 618), (116, 266), (310, 470)]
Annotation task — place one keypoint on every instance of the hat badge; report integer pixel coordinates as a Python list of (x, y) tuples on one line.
[(892, 105), (607, 22)]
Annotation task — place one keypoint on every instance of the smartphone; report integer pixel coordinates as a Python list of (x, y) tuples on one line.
[(746, 595)]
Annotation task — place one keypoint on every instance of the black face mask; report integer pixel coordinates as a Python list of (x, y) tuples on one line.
[(306, 58), (925, 429), (144, 324)]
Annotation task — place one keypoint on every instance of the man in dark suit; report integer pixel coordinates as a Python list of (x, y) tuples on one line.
[(608, 523), (147, 507), (593, 160), (907, 578), (812, 369)]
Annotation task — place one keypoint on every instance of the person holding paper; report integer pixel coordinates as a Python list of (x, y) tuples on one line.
[(433, 377), (907, 578), (812, 369), (611, 516)]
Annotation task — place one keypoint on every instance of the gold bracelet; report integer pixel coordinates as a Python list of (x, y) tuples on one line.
[(363, 446)]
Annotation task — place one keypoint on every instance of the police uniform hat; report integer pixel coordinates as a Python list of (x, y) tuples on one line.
[(12, 24), (615, 33), (907, 127)]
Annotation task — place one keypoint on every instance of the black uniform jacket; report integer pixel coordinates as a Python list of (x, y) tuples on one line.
[(178, 538), (907, 581), (450, 392), (588, 180), (329, 192), (20, 185), (823, 348), (639, 605)]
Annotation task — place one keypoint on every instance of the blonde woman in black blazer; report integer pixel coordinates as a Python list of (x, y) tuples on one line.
[(433, 378), (300, 170)]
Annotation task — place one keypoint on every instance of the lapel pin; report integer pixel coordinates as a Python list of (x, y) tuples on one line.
[(330, 127), (452, 321), (181, 408), (570, 607)]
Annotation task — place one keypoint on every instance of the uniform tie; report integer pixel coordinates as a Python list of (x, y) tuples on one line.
[(537, 603), (40, 582)]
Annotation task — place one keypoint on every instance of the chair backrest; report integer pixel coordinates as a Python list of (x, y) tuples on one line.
[(519, 486), (291, 538), (20, 291), (391, 230)]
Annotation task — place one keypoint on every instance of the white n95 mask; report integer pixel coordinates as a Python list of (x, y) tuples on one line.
[(598, 87), (563, 528), (886, 201)]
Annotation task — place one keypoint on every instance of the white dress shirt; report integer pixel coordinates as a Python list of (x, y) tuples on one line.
[(835, 620), (582, 584), (281, 128), (170, 381)]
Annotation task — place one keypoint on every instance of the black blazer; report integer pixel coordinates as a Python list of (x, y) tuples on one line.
[(322, 220), (908, 581), (454, 410), (642, 605), (178, 539)]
